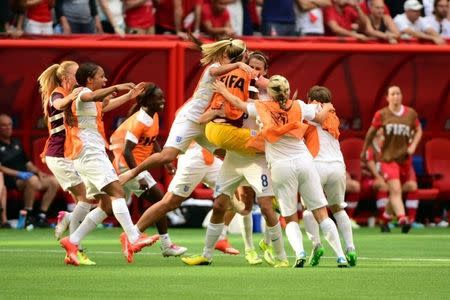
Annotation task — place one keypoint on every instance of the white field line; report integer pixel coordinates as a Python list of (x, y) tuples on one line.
[(405, 259)]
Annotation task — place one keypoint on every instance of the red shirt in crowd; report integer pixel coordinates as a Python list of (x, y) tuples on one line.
[(140, 17), (366, 9), (217, 20), (40, 12), (165, 12), (345, 20)]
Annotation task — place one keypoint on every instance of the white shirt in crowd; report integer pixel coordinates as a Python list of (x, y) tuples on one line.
[(402, 22), (428, 6), (236, 17), (443, 28), (309, 22)]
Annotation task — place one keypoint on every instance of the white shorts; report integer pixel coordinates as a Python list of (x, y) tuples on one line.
[(191, 170), (34, 27), (237, 169), (332, 178), (96, 171), (183, 132), (64, 171), (134, 187), (294, 176)]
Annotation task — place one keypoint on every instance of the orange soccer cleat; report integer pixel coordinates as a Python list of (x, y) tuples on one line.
[(225, 247), (71, 252)]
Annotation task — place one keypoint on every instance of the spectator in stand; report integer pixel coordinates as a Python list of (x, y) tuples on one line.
[(438, 20), (8, 13), (5, 16), (428, 8), (78, 16), (177, 16), (236, 12), (139, 17), (22, 174), (39, 16), (111, 16), (3, 193), (309, 17), (253, 7), (345, 18), (216, 20), (382, 25), (278, 18), (411, 24)]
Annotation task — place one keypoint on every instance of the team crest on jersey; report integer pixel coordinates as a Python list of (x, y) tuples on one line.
[(178, 139), (186, 188), (280, 118)]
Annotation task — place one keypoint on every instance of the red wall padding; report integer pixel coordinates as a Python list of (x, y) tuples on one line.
[(357, 74)]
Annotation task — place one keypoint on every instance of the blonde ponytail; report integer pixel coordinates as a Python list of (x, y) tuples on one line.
[(213, 52), (50, 79), (278, 88)]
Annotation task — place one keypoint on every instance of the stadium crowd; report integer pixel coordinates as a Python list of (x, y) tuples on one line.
[(388, 20)]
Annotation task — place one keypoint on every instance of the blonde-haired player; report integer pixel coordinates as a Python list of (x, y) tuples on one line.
[(219, 58), (322, 141), (291, 164), (56, 85), (241, 168)]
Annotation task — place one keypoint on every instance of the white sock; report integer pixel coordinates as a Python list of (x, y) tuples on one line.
[(77, 216), (213, 232), (122, 214), (294, 235), (246, 224), (223, 234), (266, 235), (311, 227), (92, 219), (165, 240), (345, 227), (276, 237), (331, 234)]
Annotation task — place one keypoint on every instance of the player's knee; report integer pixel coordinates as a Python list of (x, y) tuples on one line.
[(410, 186)]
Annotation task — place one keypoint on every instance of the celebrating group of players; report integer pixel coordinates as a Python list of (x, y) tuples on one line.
[(274, 147)]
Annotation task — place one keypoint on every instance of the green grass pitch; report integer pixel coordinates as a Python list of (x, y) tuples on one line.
[(390, 266)]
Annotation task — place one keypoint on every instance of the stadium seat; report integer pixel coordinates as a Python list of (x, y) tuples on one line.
[(437, 163), (351, 149), (37, 147)]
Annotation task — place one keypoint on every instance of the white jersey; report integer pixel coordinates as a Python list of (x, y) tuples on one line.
[(329, 148), (402, 22), (287, 147), (86, 113), (201, 98), (443, 28)]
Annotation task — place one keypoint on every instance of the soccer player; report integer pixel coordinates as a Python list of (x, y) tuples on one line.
[(88, 142), (134, 141), (56, 86), (219, 58), (290, 162), (238, 168), (322, 141), (402, 133)]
